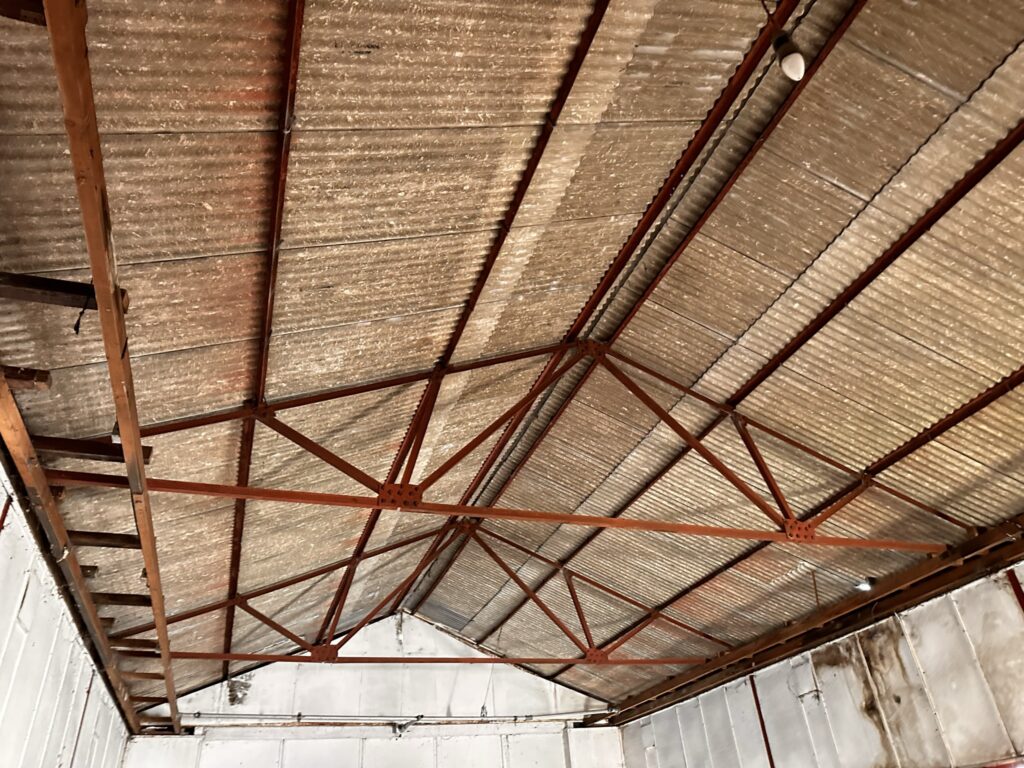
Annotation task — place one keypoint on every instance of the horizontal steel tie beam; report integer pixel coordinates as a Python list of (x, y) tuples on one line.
[(526, 515), (263, 658)]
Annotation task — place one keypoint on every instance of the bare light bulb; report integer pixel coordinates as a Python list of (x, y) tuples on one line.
[(790, 59), (865, 585)]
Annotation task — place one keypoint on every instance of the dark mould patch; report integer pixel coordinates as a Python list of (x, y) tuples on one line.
[(238, 689), (881, 644), (835, 655)]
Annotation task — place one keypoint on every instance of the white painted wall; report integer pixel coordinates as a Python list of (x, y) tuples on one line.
[(939, 685), (510, 746), (389, 691), (55, 710), (453, 716)]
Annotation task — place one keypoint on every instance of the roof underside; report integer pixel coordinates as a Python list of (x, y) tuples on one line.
[(412, 128)]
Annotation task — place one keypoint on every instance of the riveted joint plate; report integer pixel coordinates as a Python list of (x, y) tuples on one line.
[(399, 495), (324, 652), (798, 530), (595, 349)]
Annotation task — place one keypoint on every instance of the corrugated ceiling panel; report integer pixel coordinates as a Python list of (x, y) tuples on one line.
[(433, 64), (719, 288), (29, 100), (376, 579), (671, 343), (42, 228), (186, 65), (187, 194), (309, 361), (340, 285), (993, 436), (858, 101), (780, 214), (544, 275), (167, 386), (662, 61), (602, 170), (991, 28), (472, 581), (374, 185), (972, 490), (280, 543)]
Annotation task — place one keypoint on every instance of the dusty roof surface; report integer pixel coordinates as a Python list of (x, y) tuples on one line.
[(412, 129)]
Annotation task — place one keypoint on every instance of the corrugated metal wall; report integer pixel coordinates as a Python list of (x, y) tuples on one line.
[(939, 685), (55, 710), (439, 748)]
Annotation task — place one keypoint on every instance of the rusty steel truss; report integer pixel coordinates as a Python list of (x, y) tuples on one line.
[(465, 521)]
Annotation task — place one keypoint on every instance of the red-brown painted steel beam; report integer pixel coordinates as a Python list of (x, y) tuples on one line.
[(691, 441), (1015, 585), (551, 121), (572, 575), (411, 438), (727, 410), (760, 720), (764, 470), (3, 515), (273, 406), (990, 551), (19, 446), (421, 507), (926, 436), (281, 630), (263, 658), (22, 379), (276, 586), (946, 202), (322, 453), (286, 116), (533, 596), (716, 115), (65, 24), (434, 551), (578, 607)]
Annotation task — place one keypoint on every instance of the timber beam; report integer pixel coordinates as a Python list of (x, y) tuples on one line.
[(94, 450), (29, 11), (50, 290), (105, 540), (26, 379), (65, 25)]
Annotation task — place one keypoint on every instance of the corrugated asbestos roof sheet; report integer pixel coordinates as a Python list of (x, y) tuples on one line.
[(413, 126)]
